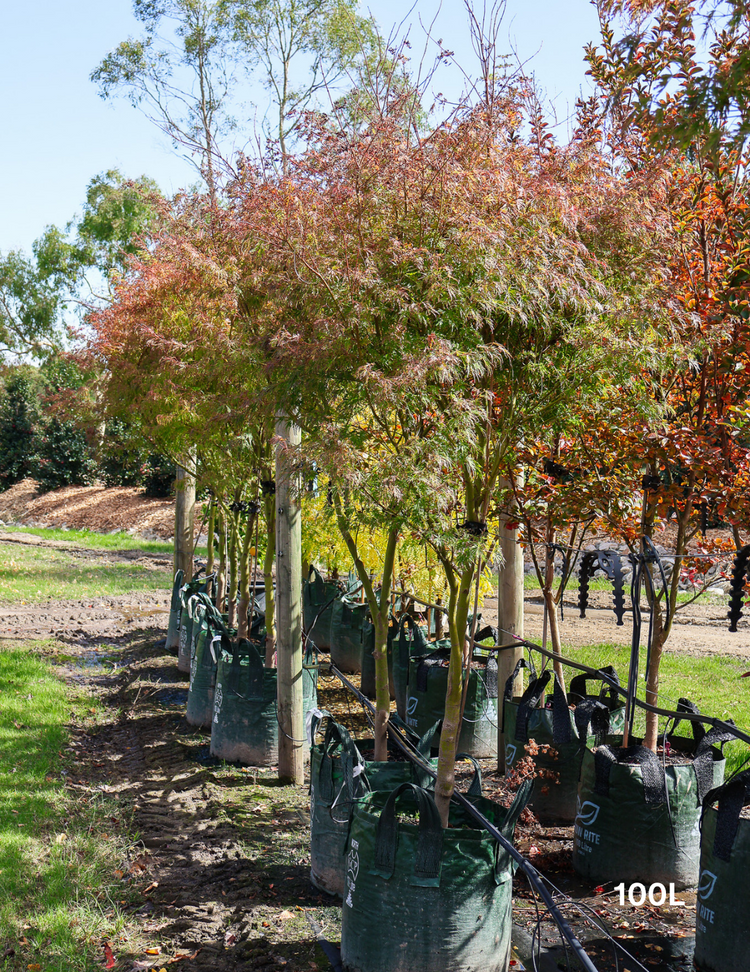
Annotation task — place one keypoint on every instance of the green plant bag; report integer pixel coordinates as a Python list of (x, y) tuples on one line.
[(185, 645), (637, 821), (339, 775), (209, 636), (409, 640), (187, 605), (173, 630), (318, 598), (596, 719), (245, 726), (428, 681), (368, 657), (421, 899), (347, 619), (723, 902)]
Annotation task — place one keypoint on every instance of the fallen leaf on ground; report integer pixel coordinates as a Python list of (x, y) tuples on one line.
[(283, 915), (109, 958)]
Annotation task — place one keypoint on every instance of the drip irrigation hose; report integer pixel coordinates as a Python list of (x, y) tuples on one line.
[(531, 872), (667, 713)]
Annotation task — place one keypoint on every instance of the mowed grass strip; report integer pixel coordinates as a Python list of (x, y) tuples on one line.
[(714, 682), (29, 575), (60, 898), (90, 540)]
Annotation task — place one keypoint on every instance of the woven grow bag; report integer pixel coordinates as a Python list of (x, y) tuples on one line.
[(318, 598), (209, 637), (187, 592), (428, 681), (172, 643), (638, 821), (245, 726), (368, 658), (419, 898), (563, 735), (409, 641), (347, 619), (723, 903), (338, 776)]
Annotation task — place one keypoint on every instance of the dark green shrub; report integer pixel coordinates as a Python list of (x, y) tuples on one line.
[(63, 457), (159, 476), (19, 418)]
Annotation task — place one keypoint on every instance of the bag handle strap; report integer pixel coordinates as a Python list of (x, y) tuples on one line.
[(521, 663), (475, 788), (530, 700), (594, 715), (703, 761), (578, 685), (732, 797), (562, 733), (685, 705), (652, 771), (504, 864), (178, 582), (337, 737), (429, 835)]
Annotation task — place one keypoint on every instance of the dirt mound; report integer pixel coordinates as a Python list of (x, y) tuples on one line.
[(100, 508)]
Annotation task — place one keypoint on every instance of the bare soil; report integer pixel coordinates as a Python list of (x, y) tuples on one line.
[(99, 508), (700, 628)]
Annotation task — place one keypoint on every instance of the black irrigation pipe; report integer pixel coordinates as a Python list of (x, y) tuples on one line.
[(531, 872), (647, 707)]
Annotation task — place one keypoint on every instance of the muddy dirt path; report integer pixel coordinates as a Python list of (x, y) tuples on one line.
[(701, 628), (221, 854)]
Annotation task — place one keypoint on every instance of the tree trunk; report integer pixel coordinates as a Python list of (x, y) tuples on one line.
[(233, 571), (244, 604), (210, 536), (269, 504), (458, 615), (184, 513), (221, 573), (510, 592), (659, 638), (551, 606), (380, 652)]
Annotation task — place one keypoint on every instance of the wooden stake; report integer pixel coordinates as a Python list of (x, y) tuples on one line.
[(184, 513), (292, 746), (509, 614)]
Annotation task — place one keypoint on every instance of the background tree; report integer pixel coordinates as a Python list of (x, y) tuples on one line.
[(695, 456), (180, 81)]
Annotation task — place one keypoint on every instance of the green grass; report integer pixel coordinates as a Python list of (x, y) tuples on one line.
[(59, 895), (29, 575), (531, 586), (96, 541), (713, 682)]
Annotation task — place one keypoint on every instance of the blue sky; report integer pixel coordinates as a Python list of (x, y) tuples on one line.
[(58, 133)]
